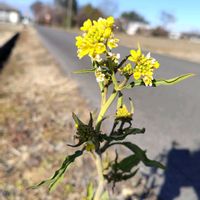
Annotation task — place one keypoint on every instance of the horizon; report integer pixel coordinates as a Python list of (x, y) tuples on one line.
[(187, 14)]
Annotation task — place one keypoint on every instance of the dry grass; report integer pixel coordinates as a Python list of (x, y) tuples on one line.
[(183, 49), (36, 102)]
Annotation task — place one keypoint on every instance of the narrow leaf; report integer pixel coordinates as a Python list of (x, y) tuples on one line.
[(171, 81), (156, 83), (134, 131), (128, 131), (90, 124), (78, 122), (128, 163), (128, 176), (58, 175), (142, 155), (84, 71)]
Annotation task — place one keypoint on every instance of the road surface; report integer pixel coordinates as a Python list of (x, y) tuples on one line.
[(169, 113)]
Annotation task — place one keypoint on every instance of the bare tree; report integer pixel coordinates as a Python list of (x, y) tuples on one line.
[(36, 8), (167, 18), (108, 7)]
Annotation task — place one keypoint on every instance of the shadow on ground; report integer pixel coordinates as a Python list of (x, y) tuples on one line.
[(6, 50), (182, 170)]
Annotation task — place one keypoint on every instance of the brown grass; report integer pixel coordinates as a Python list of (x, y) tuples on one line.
[(183, 49), (36, 102)]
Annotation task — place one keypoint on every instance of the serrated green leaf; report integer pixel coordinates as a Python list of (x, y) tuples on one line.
[(171, 81), (128, 163), (134, 131), (58, 175), (128, 131), (141, 154), (84, 71)]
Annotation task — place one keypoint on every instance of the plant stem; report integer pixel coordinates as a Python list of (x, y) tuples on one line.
[(105, 94), (105, 107), (100, 188)]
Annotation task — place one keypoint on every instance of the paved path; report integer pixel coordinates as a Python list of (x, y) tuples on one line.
[(169, 113)]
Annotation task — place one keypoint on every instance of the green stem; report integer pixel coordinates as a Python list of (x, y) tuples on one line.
[(105, 107), (105, 94), (101, 184), (114, 80)]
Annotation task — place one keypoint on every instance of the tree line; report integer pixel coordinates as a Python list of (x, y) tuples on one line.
[(68, 13)]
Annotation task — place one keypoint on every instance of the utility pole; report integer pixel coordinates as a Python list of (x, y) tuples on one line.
[(69, 13)]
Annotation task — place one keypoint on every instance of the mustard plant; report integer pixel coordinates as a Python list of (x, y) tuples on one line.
[(114, 76)]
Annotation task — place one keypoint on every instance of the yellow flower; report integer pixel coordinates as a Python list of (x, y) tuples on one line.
[(110, 21), (156, 64), (86, 25), (113, 43), (123, 112), (135, 55), (127, 69), (137, 75), (107, 32), (147, 81), (97, 37), (144, 66), (99, 48)]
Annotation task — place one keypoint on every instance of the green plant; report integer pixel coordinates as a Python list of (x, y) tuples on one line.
[(133, 71)]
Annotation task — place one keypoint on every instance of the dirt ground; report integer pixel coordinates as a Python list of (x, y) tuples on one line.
[(36, 102), (183, 49)]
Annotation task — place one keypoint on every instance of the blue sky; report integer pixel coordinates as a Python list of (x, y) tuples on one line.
[(187, 12)]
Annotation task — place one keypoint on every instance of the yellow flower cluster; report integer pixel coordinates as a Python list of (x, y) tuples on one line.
[(97, 37), (144, 66), (127, 69), (123, 112)]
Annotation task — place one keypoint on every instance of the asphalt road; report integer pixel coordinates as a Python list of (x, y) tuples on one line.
[(169, 113)]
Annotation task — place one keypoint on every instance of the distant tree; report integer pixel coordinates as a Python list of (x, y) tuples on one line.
[(133, 17), (42, 12), (88, 12), (167, 18), (36, 8), (160, 32)]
